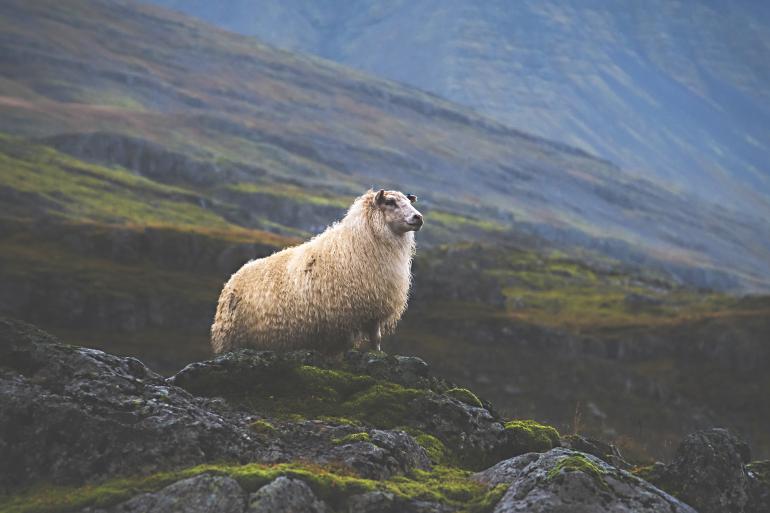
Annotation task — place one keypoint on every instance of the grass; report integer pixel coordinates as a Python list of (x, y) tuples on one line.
[(75, 190), (292, 193), (449, 486)]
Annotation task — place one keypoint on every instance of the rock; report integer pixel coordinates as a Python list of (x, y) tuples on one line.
[(602, 450), (476, 435), (708, 472), (70, 415), (382, 391), (388, 453), (385, 502), (232, 371), (372, 454), (563, 480), (759, 473), (285, 495), (199, 494), (373, 502)]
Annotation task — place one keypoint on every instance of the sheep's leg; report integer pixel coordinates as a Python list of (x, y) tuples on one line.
[(375, 337)]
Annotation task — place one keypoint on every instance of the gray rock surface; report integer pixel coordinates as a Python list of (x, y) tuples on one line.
[(709, 472), (385, 502), (388, 453), (70, 415), (547, 483), (286, 495), (477, 434), (199, 494)]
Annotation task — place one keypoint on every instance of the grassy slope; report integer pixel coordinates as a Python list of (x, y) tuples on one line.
[(278, 117)]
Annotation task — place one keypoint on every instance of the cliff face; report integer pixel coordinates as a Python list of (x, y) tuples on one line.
[(82, 430)]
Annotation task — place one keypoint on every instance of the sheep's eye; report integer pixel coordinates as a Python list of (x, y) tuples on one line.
[(390, 202)]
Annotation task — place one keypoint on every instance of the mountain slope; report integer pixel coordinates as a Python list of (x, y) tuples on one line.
[(672, 90), (232, 118)]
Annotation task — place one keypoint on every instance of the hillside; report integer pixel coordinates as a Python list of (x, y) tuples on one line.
[(238, 123), (666, 89)]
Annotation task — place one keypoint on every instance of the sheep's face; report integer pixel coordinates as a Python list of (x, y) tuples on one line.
[(400, 215)]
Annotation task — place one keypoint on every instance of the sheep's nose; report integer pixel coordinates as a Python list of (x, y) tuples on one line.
[(417, 219)]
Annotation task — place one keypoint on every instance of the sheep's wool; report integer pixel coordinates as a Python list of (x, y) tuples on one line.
[(326, 294)]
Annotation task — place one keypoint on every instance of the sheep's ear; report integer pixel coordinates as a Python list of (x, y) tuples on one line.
[(411, 197), (379, 199)]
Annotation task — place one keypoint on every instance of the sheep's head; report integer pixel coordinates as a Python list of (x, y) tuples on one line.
[(400, 215)]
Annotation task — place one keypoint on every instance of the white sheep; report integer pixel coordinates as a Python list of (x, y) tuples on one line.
[(346, 286)]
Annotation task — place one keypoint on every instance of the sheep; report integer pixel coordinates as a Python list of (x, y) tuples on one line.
[(343, 288)]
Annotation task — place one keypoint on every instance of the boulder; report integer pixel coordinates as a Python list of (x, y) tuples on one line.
[(709, 473), (70, 415), (286, 495), (199, 494), (563, 480)]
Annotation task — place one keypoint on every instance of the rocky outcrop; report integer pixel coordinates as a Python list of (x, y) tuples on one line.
[(566, 480), (286, 495), (199, 494), (709, 472), (254, 431), (69, 415)]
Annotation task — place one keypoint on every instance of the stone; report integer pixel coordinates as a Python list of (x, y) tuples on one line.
[(605, 451), (709, 473), (70, 415), (199, 494), (286, 495), (563, 480)]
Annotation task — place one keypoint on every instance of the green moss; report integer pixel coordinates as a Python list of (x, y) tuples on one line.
[(291, 193), (77, 190), (578, 463), (530, 436), (464, 395), (449, 486), (352, 438), (435, 448), (383, 405), (331, 419), (761, 469), (262, 427), (313, 392)]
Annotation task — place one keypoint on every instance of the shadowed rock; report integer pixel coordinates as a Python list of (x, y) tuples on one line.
[(70, 415)]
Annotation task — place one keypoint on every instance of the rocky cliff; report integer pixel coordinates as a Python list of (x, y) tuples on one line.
[(83, 430)]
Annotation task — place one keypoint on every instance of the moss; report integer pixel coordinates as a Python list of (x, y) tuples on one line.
[(530, 436), (313, 392), (464, 395), (578, 463), (262, 427), (449, 486), (344, 421), (384, 405), (352, 438), (435, 448), (761, 469)]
